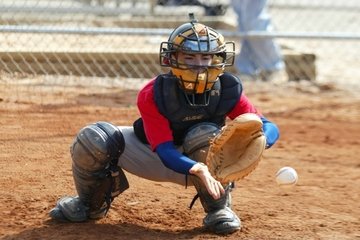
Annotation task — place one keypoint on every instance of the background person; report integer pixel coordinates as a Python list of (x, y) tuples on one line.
[(259, 58)]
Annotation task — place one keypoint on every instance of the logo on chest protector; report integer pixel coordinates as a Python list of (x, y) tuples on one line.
[(192, 118)]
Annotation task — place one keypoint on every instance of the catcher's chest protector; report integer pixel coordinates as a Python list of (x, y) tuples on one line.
[(172, 103), (98, 179)]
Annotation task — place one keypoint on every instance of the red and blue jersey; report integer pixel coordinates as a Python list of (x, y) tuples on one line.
[(159, 134), (157, 127)]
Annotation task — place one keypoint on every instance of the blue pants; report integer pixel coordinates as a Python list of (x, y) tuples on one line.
[(256, 54)]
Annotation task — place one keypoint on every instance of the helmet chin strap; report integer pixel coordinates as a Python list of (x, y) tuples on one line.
[(198, 100)]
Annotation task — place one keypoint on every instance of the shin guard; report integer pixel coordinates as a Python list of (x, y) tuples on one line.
[(98, 180)]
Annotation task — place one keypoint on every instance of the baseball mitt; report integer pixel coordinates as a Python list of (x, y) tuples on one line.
[(237, 149)]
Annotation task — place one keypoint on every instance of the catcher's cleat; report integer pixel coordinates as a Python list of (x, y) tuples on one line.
[(219, 219), (69, 209), (222, 221), (56, 214)]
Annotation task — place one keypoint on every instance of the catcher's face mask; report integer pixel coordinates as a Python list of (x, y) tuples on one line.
[(197, 55)]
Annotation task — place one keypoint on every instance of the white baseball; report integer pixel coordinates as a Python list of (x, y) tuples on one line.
[(286, 176)]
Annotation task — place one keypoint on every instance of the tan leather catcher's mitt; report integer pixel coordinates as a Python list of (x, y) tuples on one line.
[(237, 149)]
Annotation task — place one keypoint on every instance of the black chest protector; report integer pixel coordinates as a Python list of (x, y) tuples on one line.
[(172, 103)]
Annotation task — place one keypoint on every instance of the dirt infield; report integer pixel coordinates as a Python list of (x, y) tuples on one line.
[(320, 129)]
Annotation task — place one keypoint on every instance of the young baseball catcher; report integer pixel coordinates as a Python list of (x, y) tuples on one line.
[(197, 128)]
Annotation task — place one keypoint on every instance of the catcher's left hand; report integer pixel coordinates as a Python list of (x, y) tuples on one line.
[(237, 149)]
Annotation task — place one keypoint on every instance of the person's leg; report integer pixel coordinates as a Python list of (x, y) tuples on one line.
[(219, 217), (98, 180), (140, 160), (256, 54), (244, 61), (266, 52)]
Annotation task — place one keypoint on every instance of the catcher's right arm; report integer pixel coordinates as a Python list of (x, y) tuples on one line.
[(237, 149)]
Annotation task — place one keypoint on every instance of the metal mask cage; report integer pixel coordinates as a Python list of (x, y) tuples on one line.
[(170, 50), (196, 81)]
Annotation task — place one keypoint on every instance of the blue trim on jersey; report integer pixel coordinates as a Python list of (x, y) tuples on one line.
[(173, 159), (271, 132)]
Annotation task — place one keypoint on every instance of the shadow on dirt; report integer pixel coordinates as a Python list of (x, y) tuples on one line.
[(92, 230)]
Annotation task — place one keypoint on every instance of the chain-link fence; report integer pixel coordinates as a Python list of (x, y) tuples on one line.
[(48, 45)]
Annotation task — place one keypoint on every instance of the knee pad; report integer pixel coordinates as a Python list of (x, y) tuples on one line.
[(96, 145), (95, 153), (197, 140)]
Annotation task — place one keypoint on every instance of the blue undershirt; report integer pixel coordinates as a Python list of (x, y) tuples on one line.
[(178, 162), (271, 132)]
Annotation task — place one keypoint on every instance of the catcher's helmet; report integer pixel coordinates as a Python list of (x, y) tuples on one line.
[(196, 38)]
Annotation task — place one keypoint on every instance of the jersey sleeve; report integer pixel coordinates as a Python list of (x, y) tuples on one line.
[(173, 159), (243, 106), (156, 126), (270, 129)]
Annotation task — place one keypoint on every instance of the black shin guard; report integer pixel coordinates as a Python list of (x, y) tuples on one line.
[(98, 180), (220, 218)]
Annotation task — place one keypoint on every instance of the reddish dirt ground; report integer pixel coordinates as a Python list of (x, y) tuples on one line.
[(320, 132)]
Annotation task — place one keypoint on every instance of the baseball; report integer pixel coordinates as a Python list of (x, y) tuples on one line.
[(286, 176)]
